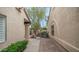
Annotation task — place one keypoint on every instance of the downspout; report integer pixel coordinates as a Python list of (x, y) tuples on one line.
[(27, 24)]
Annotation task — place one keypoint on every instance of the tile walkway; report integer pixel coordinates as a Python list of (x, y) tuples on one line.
[(33, 45), (50, 45), (44, 45)]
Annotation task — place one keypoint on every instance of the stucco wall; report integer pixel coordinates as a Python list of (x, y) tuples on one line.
[(66, 23), (15, 25)]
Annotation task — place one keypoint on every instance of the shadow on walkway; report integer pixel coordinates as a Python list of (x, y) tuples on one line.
[(50, 45)]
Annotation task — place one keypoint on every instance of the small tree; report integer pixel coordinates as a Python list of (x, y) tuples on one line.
[(36, 15)]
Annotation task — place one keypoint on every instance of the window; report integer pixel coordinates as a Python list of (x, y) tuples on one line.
[(2, 28), (52, 29)]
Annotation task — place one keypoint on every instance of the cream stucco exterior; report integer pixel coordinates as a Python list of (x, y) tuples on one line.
[(66, 26), (15, 28)]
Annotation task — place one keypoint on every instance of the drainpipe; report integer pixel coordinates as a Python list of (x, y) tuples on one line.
[(27, 23)]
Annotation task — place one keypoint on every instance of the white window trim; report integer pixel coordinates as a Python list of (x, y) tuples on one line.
[(4, 28)]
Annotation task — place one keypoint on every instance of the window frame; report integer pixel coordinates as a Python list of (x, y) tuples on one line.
[(52, 29), (5, 28)]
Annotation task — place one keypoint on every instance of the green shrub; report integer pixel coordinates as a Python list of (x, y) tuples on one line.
[(43, 34), (16, 47)]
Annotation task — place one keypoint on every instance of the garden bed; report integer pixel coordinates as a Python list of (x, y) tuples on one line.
[(16, 47)]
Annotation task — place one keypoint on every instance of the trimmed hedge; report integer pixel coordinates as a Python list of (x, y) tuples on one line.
[(16, 47)]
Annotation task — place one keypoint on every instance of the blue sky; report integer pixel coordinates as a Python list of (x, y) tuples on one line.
[(43, 22)]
